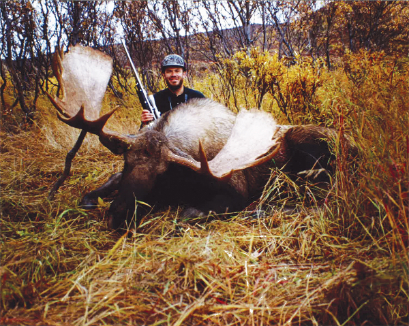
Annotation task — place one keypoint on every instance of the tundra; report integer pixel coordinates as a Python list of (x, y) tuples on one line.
[(200, 155)]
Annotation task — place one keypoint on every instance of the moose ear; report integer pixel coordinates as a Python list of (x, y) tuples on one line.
[(116, 143)]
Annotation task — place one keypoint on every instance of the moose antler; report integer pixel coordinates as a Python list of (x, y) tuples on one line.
[(83, 74), (253, 141)]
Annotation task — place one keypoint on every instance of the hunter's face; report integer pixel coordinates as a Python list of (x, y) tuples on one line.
[(174, 77)]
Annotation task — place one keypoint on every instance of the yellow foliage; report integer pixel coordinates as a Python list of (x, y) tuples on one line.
[(368, 96), (365, 96), (249, 77)]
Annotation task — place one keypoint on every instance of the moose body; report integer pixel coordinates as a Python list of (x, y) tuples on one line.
[(200, 154), (150, 176), (198, 128)]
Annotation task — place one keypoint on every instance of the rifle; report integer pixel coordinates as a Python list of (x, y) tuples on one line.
[(146, 102)]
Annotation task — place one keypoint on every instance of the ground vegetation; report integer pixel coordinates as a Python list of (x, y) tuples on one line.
[(298, 255)]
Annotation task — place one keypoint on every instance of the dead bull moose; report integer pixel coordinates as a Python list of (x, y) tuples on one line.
[(200, 154)]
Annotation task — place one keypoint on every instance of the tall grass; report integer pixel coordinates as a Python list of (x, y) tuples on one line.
[(370, 100), (299, 255)]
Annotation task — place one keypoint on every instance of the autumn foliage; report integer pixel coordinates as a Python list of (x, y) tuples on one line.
[(298, 255)]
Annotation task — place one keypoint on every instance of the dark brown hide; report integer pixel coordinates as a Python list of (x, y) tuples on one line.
[(309, 147)]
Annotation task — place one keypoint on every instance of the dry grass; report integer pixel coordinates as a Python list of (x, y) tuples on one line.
[(60, 265), (336, 257)]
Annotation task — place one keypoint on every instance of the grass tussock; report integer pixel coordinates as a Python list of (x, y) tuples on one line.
[(299, 255)]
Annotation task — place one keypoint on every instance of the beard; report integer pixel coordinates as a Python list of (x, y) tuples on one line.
[(175, 87)]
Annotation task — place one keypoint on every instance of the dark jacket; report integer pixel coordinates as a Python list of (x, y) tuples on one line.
[(165, 100)]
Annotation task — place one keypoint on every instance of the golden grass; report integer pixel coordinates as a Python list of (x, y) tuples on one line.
[(335, 257)]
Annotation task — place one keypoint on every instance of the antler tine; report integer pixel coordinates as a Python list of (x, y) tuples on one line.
[(200, 167), (58, 71), (190, 163), (57, 68), (79, 121), (58, 104), (204, 164)]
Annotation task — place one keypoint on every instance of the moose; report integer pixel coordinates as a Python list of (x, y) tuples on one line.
[(201, 154)]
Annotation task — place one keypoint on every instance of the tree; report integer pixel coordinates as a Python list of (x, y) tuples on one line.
[(228, 27), (281, 15), (356, 25), (139, 35), (375, 25), (18, 39)]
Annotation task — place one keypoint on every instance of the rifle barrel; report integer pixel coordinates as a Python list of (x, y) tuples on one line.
[(143, 97)]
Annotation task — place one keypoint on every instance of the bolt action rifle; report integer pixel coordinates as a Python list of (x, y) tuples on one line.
[(148, 103)]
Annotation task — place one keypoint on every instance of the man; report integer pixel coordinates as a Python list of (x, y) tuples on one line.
[(173, 72)]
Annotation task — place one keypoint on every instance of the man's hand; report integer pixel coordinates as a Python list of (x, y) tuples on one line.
[(146, 116)]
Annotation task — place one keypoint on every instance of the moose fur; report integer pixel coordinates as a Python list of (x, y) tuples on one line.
[(200, 154)]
